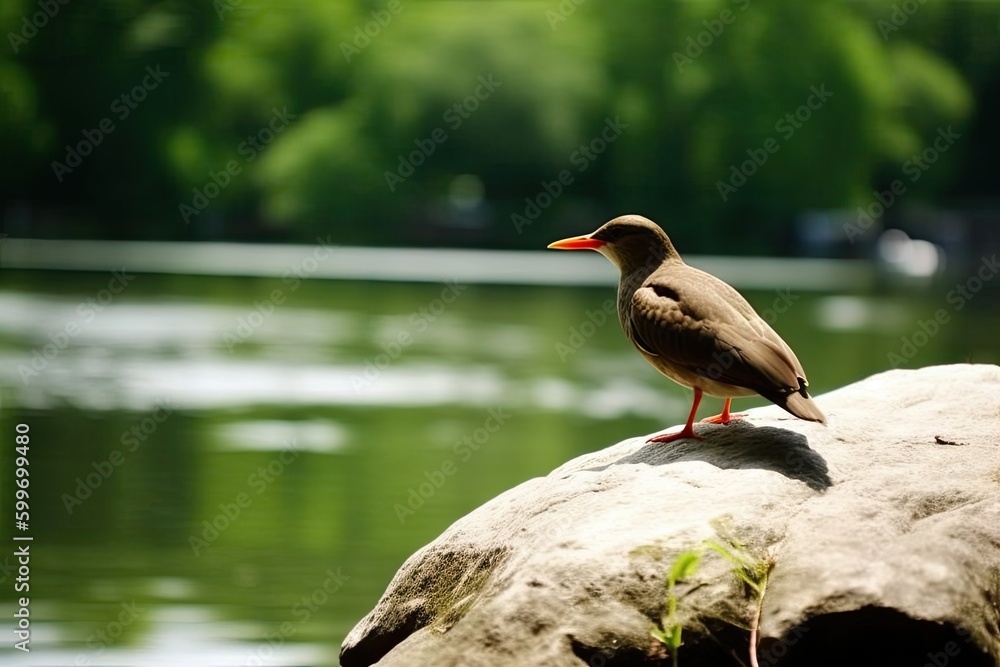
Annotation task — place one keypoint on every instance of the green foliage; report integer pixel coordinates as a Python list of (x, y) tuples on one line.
[(751, 571), (359, 108), (670, 629), (317, 172)]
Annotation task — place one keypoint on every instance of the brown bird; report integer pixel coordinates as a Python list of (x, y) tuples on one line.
[(694, 328)]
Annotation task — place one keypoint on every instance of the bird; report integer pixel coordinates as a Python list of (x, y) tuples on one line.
[(693, 327)]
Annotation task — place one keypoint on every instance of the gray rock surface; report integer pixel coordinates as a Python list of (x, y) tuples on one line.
[(883, 529)]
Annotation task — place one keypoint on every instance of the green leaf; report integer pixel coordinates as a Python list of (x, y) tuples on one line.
[(685, 565), (748, 570)]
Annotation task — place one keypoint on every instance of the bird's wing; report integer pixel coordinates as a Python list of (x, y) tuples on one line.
[(716, 335)]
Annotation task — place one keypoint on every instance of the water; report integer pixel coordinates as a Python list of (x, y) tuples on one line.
[(222, 476)]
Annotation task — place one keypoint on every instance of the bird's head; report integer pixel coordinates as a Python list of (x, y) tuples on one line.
[(633, 243)]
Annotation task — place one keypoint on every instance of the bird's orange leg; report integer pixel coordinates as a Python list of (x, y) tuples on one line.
[(688, 430), (725, 417)]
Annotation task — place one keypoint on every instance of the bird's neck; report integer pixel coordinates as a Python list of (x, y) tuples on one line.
[(643, 264)]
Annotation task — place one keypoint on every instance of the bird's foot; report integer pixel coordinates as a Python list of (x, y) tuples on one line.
[(680, 435), (724, 418)]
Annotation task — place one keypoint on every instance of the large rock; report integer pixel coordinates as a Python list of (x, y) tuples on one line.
[(883, 530)]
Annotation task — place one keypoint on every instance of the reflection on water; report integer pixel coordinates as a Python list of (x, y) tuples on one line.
[(134, 356), (220, 483), (174, 635)]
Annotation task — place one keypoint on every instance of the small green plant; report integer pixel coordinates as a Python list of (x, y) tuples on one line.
[(669, 632), (754, 573)]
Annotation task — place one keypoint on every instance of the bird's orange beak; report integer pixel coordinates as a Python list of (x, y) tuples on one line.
[(578, 243)]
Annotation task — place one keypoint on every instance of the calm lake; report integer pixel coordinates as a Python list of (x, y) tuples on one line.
[(228, 471)]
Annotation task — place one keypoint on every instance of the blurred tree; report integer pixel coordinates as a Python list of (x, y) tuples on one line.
[(441, 91), (735, 143), (93, 152), (380, 122)]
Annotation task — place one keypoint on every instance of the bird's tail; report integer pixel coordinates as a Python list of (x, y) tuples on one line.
[(803, 407)]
